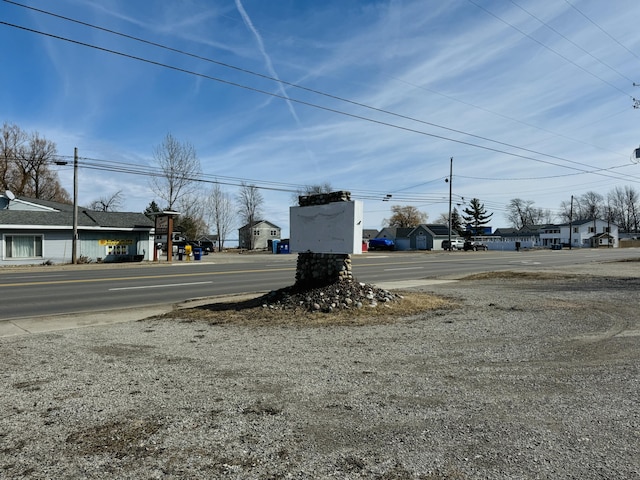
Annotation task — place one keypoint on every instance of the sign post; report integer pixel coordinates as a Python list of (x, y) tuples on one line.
[(164, 227)]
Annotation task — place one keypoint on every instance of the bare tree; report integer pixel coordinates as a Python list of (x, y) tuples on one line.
[(25, 161), (591, 205), (220, 213), (522, 213), (108, 204), (587, 206), (624, 208), (191, 221), (249, 201), (456, 221), (12, 139), (407, 216), (180, 170)]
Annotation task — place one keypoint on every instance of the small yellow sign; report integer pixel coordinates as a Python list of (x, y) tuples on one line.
[(110, 243)]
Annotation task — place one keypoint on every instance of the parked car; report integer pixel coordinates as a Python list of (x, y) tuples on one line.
[(381, 244), (456, 244), (475, 246), (207, 246)]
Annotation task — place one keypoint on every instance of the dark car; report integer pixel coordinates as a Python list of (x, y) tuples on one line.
[(475, 246), (381, 244), (207, 246)]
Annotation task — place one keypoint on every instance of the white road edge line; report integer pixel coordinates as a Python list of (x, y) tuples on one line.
[(157, 286)]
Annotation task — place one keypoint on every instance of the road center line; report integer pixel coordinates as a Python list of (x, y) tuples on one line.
[(404, 268), (158, 286)]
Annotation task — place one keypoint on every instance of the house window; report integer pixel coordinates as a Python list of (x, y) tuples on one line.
[(256, 232), (23, 246), (576, 230), (592, 230), (274, 233)]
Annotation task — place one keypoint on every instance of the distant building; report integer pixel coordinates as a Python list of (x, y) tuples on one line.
[(422, 237), (581, 234), (258, 235)]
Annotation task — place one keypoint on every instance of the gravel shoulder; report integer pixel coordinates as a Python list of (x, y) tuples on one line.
[(528, 376)]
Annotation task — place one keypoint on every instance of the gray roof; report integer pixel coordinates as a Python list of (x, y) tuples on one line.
[(369, 233), (63, 217), (85, 219), (440, 230), (257, 223)]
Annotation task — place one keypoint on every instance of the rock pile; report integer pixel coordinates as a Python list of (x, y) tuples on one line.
[(344, 295), (324, 198)]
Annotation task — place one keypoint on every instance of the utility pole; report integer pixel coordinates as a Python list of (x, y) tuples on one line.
[(570, 222), (74, 242), (450, 194)]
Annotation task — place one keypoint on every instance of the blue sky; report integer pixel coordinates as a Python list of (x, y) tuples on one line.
[(532, 99)]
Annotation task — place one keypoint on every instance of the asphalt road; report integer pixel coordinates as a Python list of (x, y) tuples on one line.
[(37, 291)]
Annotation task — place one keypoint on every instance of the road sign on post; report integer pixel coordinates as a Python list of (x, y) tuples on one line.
[(164, 227)]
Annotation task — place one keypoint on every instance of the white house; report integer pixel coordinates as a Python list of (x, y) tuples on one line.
[(38, 231), (581, 234)]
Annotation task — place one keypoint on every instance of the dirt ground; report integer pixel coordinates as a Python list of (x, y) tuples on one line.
[(494, 376)]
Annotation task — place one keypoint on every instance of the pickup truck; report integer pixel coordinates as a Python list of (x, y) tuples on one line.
[(456, 244)]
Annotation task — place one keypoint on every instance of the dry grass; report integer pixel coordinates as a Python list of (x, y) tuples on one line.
[(510, 275), (252, 312), (626, 260)]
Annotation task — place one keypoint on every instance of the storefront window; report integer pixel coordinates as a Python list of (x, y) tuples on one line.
[(23, 246)]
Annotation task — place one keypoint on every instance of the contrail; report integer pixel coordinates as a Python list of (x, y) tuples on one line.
[(267, 59)]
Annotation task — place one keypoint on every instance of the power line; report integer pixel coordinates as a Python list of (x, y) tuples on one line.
[(226, 65), (572, 42), (549, 48), (601, 29), (547, 177), (515, 120), (313, 105)]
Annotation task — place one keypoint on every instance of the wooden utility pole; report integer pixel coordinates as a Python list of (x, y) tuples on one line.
[(571, 223), (74, 242), (450, 194)]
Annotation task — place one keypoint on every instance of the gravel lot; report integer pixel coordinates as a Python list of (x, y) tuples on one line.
[(529, 377)]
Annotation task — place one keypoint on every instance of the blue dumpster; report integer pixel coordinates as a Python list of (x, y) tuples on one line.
[(197, 254), (283, 246)]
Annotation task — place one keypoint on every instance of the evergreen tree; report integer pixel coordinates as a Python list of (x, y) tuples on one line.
[(476, 216), (456, 222), (151, 209)]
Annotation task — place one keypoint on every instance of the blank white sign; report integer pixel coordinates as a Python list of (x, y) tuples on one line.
[(332, 228)]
